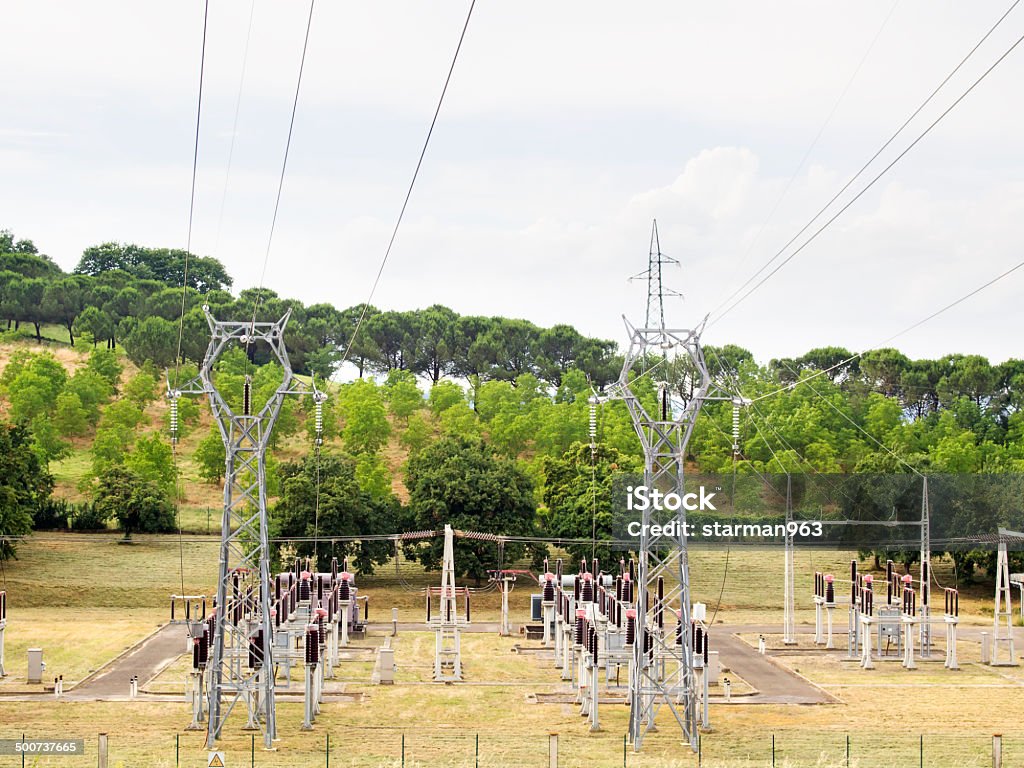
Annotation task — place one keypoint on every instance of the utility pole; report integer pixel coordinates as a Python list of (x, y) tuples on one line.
[(242, 615)]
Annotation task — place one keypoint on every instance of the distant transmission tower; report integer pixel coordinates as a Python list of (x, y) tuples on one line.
[(656, 290), (662, 674), (242, 664)]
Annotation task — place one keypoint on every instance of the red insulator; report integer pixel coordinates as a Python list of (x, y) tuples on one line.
[(256, 650), (312, 645), (658, 609), (630, 626), (549, 587), (202, 649), (587, 589)]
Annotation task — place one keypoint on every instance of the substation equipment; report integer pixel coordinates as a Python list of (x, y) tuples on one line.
[(313, 616), (590, 622), (889, 630)]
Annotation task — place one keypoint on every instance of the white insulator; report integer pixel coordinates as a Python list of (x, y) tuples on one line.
[(593, 422), (174, 420), (318, 420), (735, 427)]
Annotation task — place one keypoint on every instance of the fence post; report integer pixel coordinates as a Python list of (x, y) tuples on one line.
[(327, 749), (403, 749), (101, 751), (177, 749), (997, 750), (23, 750), (922, 751), (476, 759), (623, 750), (847, 750), (252, 750), (699, 759), (773, 750), (552, 750)]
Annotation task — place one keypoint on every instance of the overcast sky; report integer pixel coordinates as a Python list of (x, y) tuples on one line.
[(568, 126)]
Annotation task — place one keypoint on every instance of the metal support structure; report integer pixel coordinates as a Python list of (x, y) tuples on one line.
[(242, 614), (656, 291), (447, 641), (3, 626), (1002, 637), (662, 673), (925, 589), (788, 601)]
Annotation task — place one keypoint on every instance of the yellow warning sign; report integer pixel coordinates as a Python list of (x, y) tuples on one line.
[(216, 760)]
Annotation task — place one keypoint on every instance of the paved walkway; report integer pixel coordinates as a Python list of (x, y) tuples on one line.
[(144, 661), (774, 683)]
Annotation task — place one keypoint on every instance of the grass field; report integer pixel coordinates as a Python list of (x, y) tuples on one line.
[(84, 598)]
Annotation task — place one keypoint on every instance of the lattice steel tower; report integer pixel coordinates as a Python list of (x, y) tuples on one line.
[(656, 290), (241, 649), (662, 673)]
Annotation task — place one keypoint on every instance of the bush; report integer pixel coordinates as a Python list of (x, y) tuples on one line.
[(89, 517), (53, 515)]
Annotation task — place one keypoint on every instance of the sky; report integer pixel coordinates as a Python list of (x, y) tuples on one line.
[(566, 129)]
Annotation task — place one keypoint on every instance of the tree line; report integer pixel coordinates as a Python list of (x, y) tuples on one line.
[(130, 295), (516, 392)]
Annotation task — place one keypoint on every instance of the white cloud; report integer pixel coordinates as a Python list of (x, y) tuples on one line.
[(568, 127)]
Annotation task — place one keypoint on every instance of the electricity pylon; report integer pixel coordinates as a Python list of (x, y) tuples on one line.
[(663, 665), (656, 291), (242, 617)]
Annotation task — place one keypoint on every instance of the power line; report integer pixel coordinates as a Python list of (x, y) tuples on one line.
[(234, 126), (861, 429), (412, 183), (192, 195), (865, 167), (906, 330), (817, 138), (284, 162), (184, 286)]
